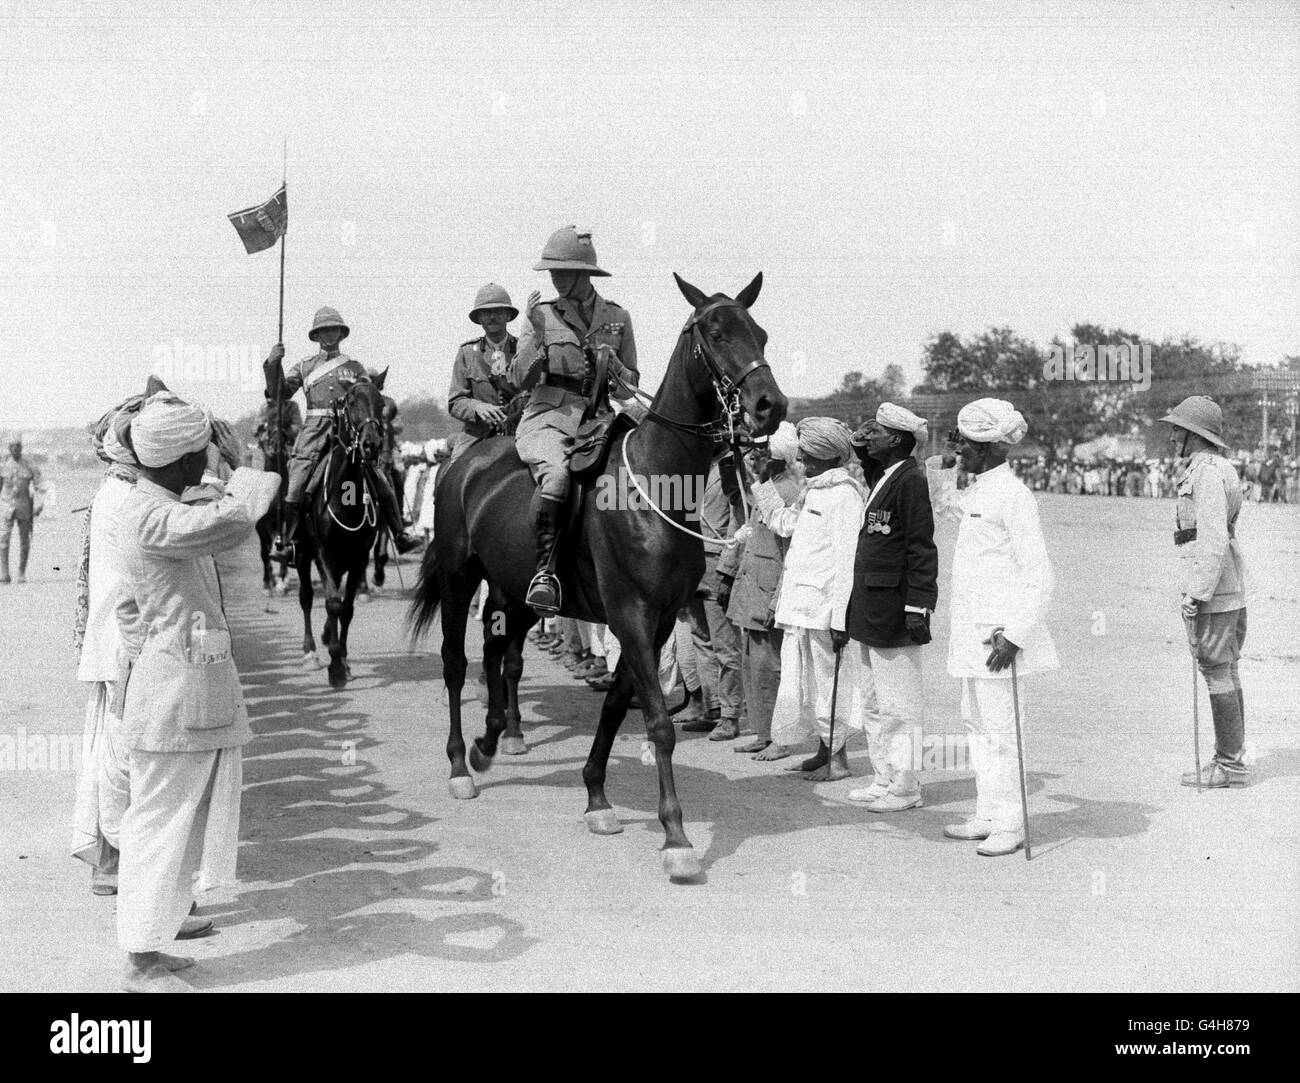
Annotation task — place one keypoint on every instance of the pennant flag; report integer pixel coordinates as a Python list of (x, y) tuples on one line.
[(261, 226)]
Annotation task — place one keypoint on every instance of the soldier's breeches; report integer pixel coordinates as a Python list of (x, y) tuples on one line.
[(386, 497), (1218, 641), (311, 445), (1218, 638), (545, 449)]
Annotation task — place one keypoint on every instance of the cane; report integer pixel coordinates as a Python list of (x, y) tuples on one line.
[(1196, 726), (835, 691), (1020, 753), (392, 547)]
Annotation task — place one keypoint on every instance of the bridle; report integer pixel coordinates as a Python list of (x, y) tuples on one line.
[(348, 436), (724, 428)]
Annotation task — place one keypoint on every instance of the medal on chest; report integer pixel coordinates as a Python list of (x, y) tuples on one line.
[(878, 522)]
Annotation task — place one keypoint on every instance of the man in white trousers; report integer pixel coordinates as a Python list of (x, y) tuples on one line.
[(822, 526), (182, 710), (1001, 587)]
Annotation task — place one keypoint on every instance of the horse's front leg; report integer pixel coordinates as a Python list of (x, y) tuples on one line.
[(641, 660), (304, 601), (600, 817), (330, 580)]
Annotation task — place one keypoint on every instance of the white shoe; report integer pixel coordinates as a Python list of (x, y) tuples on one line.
[(969, 831), (896, 802), (867, 794), (1001, 843)]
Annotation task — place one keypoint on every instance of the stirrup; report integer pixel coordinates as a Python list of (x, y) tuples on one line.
[(544, 593), (284, 552)]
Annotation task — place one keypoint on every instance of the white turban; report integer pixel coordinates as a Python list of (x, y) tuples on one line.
[(991, 421), (169, 428), (115, 450), (896, 417), (784, 443), (825, 438)]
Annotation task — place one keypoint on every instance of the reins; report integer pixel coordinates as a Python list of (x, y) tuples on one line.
[(347, 437)]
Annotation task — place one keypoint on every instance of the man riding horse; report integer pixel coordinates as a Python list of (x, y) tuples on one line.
[(324, 379), (556, 361), (481, 394)]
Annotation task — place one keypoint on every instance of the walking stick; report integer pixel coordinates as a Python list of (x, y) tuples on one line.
[(835, 691), (1020, 754), (1196, 726)]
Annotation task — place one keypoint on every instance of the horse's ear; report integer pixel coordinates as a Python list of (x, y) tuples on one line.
[(749, 294), (692, 293), (380, 378), (153, 385)]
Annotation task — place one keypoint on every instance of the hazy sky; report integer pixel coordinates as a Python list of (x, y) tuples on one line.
[(894, 170)]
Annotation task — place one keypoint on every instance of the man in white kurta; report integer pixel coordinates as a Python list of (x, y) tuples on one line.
[(183, 714), (102, 789), (816, 582), (1001, 586)]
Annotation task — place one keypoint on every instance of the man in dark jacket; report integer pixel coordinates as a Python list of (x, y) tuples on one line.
[(895, 589)]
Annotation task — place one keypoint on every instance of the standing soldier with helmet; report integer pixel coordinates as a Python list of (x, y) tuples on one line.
[(324, 379), (1214, 592), (481, 388), (22, 498), (556, 361)]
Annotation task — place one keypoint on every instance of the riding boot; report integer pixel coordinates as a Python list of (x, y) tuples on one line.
[(1229, 729), (283, 553), (392, 512), (544, 590)]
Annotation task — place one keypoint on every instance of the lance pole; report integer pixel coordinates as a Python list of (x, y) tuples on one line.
[(278, 422)]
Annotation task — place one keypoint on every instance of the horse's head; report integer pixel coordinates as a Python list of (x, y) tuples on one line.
[(731, 346), (361, 418)]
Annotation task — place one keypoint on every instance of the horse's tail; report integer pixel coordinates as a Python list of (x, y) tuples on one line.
[(427, 596)]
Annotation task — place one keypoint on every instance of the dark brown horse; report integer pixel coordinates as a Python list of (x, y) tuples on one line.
[(274, 440), (342, 519), (627, 567)]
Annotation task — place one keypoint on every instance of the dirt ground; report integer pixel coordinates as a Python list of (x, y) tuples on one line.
[(360, 872)]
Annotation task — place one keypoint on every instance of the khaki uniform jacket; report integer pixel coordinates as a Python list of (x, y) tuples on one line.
[(757, 564), (1209, 501), (565, 337), (472, 381), (323, 382), (182, 691)]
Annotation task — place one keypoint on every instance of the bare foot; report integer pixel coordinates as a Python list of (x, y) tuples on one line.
[(154, 979), (753, 746), (175, 962), (774, 751), (816, 760), (836, 769)]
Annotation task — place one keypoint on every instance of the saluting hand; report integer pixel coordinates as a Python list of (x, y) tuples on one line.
[(533, 310)]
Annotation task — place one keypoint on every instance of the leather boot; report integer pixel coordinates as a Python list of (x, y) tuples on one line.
[(544, 590), (282, 551), (392, 512), (1229, 729)]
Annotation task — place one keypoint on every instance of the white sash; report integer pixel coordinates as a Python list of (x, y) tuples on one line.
[(321, 371)]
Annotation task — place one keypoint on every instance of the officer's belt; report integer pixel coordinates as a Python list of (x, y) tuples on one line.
[(1182, 537), (576, 384), (319, 411)]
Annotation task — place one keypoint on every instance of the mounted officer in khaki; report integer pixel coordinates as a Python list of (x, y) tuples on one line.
[(324, 379), (566, 342), (482, 394)]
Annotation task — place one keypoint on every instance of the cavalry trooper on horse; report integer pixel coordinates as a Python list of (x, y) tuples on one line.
[(324, 379), (557, 361), (481, 390)]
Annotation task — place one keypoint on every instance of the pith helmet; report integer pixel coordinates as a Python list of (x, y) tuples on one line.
[(1200, 415), (327, 317), (492, 296), (570, 249)]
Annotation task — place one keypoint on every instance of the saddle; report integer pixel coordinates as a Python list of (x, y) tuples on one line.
[(590, 445)]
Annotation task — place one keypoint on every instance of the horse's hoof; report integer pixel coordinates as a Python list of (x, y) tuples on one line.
[(513, 746), (282, 588), (462, 788), (266, 592), (310, 661), (681, 863), (603, 821), (363, 597), (478, 760)]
